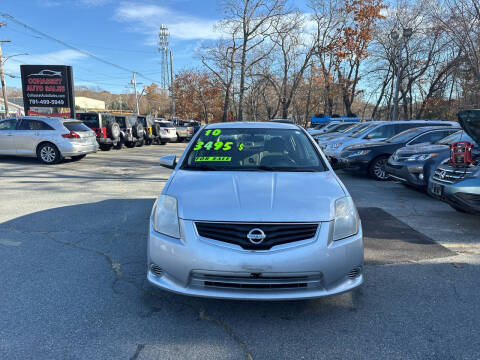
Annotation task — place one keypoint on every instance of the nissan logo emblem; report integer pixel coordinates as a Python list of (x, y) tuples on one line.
[(256, 236)]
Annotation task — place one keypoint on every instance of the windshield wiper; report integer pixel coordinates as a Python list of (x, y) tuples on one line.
[(201, 168), (285, 169)]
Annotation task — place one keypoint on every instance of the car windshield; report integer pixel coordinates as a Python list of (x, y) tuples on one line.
[(166, 124), (360, 133), (253, 149), (142, 120), (120, 120), (356, 128), (350, 128), (76, 126), (91, 120), (450, 139), (404, 136)]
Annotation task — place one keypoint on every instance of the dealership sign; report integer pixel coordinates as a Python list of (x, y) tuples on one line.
[(47, 86)]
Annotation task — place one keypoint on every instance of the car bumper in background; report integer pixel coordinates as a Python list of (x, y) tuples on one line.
[(412, 173), (464, 194), (168, 138), (72, 149), (203, 267)]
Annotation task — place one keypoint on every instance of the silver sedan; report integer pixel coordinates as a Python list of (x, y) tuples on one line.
[(253, 211), (47, 138)]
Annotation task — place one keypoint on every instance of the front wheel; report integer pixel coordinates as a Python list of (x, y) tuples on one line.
[(141, 143), (48, 154), (163, 142), (377, 168), (130, 144)]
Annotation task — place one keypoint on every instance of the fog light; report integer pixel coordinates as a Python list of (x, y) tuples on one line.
[(420, 176), (156, 270)]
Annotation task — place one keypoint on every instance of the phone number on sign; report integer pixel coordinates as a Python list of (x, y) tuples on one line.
[(46, 102)]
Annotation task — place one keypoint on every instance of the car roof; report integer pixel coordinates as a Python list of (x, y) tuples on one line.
[(251, 125)]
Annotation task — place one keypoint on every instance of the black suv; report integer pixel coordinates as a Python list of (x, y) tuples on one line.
[(105, 127), (132, 131)]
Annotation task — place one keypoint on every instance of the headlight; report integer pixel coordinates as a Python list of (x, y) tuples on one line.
[(346, 219), (359, 153), (165, 218), (421, 157)]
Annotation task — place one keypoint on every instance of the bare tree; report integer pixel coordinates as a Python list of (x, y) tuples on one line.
[(253, 20)]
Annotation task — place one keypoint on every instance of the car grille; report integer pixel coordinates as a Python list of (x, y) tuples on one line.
[(256, 281), (449, 175), (275, 234)]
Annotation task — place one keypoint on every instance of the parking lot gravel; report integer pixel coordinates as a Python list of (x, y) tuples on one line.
[(73, 267)]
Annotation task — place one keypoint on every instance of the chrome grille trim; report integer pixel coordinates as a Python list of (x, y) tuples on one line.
[(255, 281)]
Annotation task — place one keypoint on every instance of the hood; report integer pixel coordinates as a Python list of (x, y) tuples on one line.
[(255, 196), (470, 122), (423, 149), (368, 144)]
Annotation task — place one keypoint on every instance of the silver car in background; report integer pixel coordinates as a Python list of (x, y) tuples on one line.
[(254, 211), (47, 138)]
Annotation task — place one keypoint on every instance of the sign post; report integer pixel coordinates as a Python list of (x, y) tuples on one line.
[(48, 86)]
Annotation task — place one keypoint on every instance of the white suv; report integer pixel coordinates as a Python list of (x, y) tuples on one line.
[(47, 138)]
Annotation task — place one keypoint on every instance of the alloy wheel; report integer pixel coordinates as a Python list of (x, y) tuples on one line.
[(48, 154), (379, 169)]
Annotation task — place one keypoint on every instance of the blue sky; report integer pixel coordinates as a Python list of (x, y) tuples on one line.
[(123, 32)]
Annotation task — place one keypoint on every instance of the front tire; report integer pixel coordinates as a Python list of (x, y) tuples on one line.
[(377, 168), (48, 154), (141, 143), (130, 144)]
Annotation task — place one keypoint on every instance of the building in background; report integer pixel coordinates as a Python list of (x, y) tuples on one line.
[(13, 109), (84, 103)]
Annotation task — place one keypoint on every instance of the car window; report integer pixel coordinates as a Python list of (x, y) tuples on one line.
[(9, 124), (120, 120), (253, 149), (76, 126), (91, 120), (34, 125), (166, 124), (382, 132), (430, 137)]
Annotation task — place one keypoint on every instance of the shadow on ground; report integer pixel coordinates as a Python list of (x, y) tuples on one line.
[(74, 286)]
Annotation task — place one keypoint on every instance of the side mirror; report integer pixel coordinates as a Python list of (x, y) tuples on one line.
[(168, 161)]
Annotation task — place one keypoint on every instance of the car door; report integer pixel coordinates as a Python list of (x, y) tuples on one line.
[(7, 133), (28, 135)]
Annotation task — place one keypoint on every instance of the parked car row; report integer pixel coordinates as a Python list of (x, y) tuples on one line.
[(52, 139), (113, 131), (416, 153)]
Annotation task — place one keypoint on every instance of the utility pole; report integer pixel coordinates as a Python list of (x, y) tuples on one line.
[(172, 91), (2, 75), (134, 82)]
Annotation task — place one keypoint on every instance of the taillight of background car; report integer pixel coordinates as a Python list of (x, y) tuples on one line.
[(71, 135)]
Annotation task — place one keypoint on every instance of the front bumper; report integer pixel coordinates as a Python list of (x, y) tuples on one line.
[(464, 194), (327, 264), (408, 173), (73, 149)]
